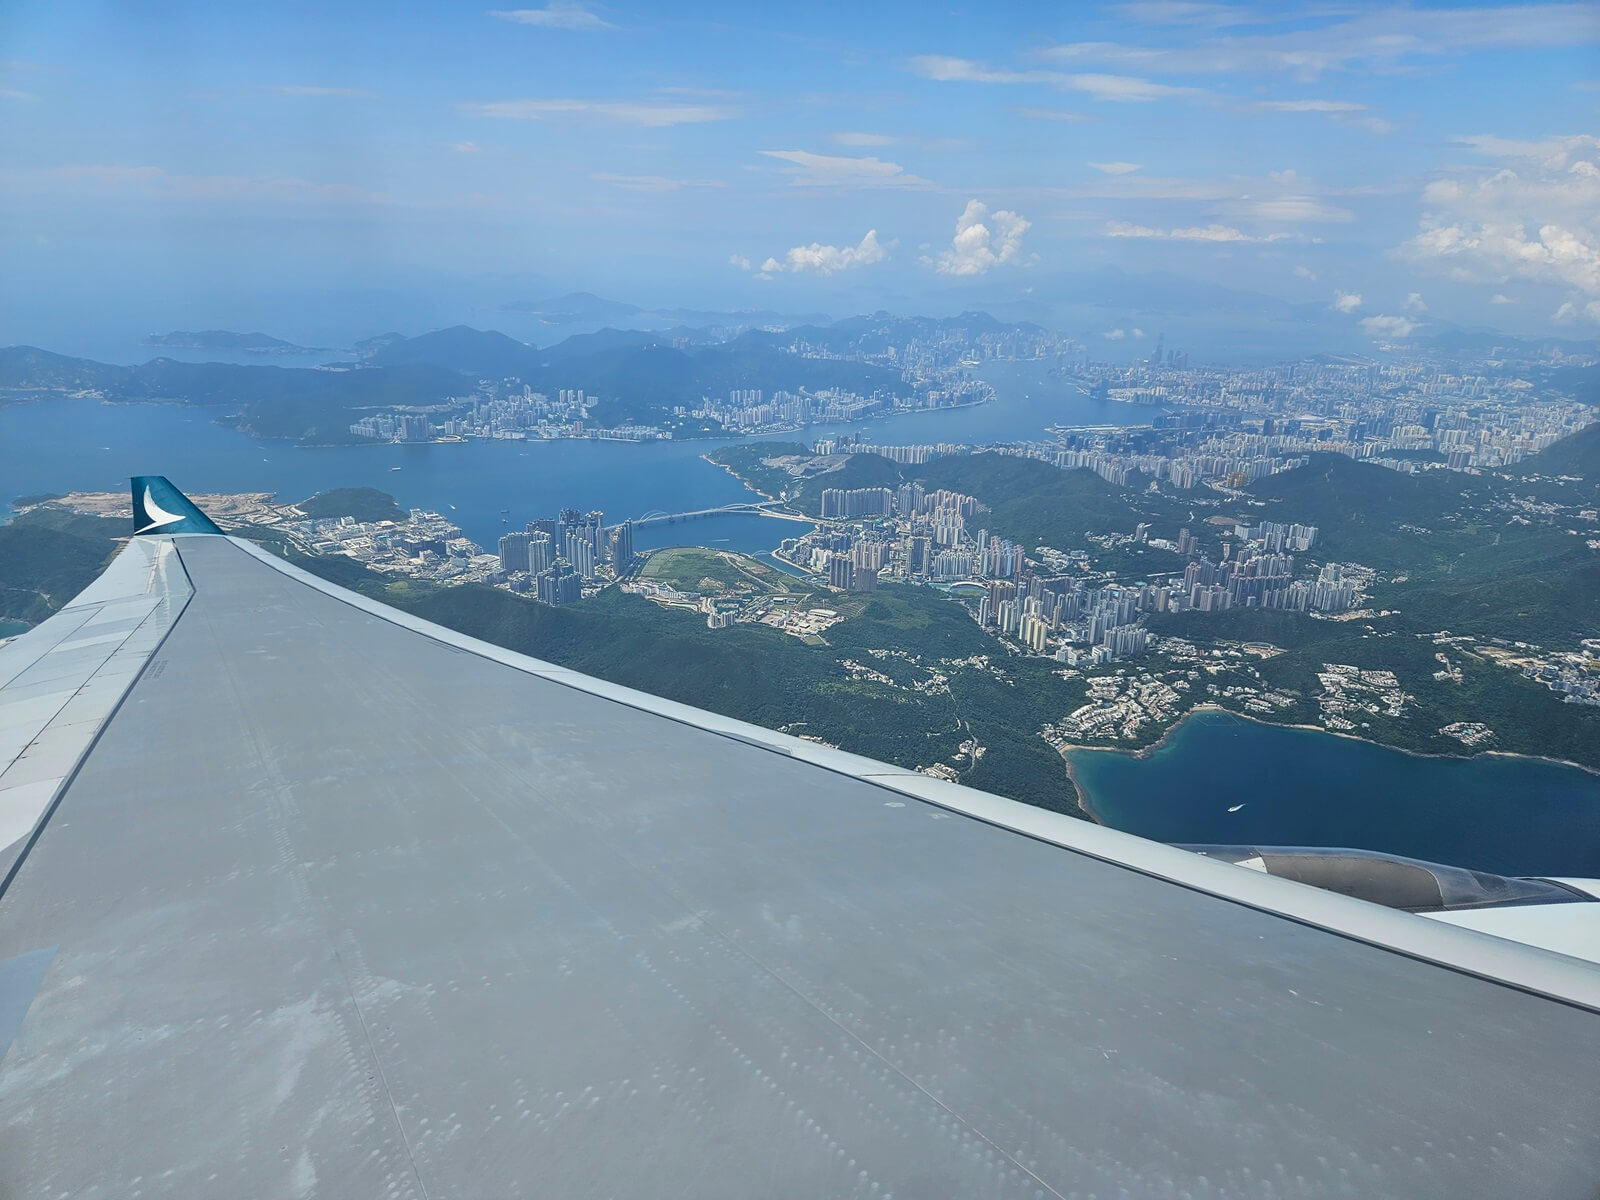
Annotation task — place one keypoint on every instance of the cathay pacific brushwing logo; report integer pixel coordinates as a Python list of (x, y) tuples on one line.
[(156, 515), (152, 517)]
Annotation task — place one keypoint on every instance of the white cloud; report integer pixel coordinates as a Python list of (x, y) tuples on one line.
[(558, 14), (1346, 302), (1572, 310), (655, 183), (1052, 114), (1115, 168), (1117, 88), (1311, 106), (1414, 303), (1534, 215), (1500, 298), (983, 240), (1397, 327), (864, 139), (1117, 335), (828, 260), (739, 261), (1554, 152), (1305, 273), (1207, 233), (1289, 210), (346, 93), (1187, 12), (626, 112), (1349, 37), (1345, 112), (945, 69), (466, 147), (833, 170), (1124, 88), (14, 94)]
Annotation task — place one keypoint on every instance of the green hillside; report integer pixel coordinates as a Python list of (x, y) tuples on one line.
[(1036, 504), (1577, 454), (363, 503), (48, 556), (1373, 515)]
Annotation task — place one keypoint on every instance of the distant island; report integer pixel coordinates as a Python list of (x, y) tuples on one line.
[(223, 339), (574, 307)]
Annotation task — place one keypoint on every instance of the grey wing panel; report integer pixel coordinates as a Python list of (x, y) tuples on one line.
[(339, 907), (60, 681)]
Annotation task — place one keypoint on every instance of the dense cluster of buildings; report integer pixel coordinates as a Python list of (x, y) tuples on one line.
[(1574, 675), (503, 411), (553, 560), (422, 545), (751, 410), (1039, 602), (1350, 694), (395, 427), (1257, 571), (1232, 425)]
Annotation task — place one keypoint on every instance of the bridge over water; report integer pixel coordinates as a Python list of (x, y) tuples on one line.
[(763, 508)]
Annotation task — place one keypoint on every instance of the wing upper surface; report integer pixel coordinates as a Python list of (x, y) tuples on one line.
[(341, 905)]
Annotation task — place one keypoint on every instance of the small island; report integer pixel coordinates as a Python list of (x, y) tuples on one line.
[(222, 339)]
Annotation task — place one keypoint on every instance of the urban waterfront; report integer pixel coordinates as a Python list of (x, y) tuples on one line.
[(80, 444), (1358, 793), (1222, 779)]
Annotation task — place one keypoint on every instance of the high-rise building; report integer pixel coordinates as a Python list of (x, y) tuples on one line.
[(559, 585), (578, 550), (620, 549), (594, 527), (541, 552), (840, 570), (842, 504), (514, 552), (918, 555)]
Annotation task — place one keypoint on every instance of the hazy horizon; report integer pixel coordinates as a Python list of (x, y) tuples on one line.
[(1355, 172)]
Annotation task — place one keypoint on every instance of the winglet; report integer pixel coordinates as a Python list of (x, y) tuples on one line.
[(160, 508)]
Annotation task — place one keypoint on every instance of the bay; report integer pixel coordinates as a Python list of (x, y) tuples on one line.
[(1303, 787), (1028, 399), (59, 445), (486, 487), (1515, 816)]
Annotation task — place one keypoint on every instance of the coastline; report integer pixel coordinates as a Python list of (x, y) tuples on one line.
[(741, 479), (1145, 751)]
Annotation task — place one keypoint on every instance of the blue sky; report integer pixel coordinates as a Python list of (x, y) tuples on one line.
[(401, 164)]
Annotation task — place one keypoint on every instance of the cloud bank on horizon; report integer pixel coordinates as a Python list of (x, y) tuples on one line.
[(1370, 153)]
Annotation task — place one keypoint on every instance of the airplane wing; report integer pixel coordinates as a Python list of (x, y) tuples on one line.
[(304, 896)]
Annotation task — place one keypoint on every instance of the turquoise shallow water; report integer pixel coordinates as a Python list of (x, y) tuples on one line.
[(1515, 816)]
